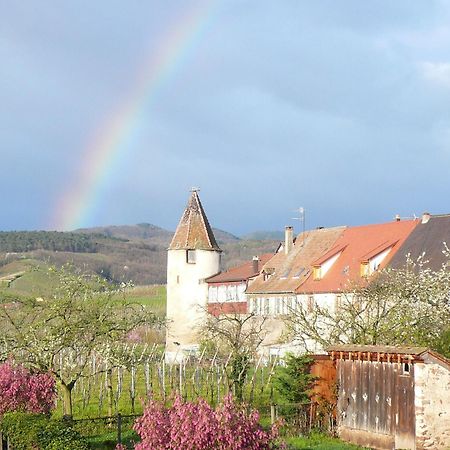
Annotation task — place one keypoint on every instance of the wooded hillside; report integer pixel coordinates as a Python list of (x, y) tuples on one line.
[(135, 253)]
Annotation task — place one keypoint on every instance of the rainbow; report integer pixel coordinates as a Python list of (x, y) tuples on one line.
[(100, 157)]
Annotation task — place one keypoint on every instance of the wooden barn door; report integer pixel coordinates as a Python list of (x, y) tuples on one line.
[(405, 428)]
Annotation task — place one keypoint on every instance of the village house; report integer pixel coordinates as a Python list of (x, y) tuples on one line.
[(272, 294), (316, 268), (392, 397), (226, 290)]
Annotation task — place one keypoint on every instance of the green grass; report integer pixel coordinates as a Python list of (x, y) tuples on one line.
[(28, 277), (153, 296), (317, 441)]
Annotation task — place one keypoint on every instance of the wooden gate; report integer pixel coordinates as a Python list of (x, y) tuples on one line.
[(376, 402)]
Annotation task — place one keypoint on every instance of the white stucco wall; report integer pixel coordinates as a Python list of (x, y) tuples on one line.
[(187, 294), (432, 404), (227, 292)]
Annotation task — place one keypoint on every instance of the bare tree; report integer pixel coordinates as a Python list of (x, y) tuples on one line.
[(238, 337)]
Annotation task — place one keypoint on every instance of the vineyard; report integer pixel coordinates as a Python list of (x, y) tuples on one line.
[(123, 389)]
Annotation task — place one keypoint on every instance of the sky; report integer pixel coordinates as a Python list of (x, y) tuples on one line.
[(111, 111)]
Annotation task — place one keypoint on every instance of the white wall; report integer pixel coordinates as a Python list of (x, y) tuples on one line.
[(221, 293), (432, 404), (187, 298)]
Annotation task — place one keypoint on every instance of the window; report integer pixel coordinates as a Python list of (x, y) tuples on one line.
[(268, 272), (289, 305), (406, 369), (221, 293), (213, 294), (310, 303), (364, 269), (299, 272), (190, 256), (285, 274), (337, 302), (317, 273), (266, 307)]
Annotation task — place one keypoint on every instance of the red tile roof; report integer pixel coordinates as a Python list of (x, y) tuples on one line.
[(240, 273), (193, 231), (291, 270), (359, 245)]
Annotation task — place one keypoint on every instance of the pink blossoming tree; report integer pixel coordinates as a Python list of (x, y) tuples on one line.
[(197, 426), (21, 390)]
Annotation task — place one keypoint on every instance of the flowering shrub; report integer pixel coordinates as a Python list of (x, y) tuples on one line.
[(21, 390), (197, 426)]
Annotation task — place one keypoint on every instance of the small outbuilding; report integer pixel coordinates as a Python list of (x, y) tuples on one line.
[(392, 397)]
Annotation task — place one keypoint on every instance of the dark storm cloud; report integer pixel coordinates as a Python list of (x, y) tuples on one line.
[(341, 107)]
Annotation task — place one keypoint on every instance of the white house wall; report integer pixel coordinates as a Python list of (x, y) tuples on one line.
[(227, 292)]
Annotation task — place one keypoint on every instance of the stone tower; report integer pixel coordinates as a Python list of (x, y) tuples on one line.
[(193, 255)]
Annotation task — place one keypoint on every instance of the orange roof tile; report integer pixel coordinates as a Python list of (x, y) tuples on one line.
[(193, 231), (361, 244), (240, 273), (291, 270)]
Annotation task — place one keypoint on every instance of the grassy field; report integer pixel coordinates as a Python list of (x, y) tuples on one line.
[(29, 277)]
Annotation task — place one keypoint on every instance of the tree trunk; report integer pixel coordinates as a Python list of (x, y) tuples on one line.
[(109, 386), (67, 399)]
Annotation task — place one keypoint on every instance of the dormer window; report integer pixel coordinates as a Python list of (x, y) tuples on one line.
[(267, 273), (371, 261), (324, 264), (364, 269), (317, 273), (191, 257)]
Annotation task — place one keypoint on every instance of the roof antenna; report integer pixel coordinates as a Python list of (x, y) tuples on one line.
[(301, 216)]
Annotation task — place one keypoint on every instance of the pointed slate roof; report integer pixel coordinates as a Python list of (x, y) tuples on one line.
[(193, 231)]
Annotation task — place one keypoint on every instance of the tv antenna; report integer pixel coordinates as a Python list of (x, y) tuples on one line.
[(302, 218)]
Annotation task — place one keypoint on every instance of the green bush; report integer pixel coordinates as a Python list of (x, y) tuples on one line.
[(293, 380), (37, 431)]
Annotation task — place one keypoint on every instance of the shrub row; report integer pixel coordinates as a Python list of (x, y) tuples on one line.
[(27, 431)]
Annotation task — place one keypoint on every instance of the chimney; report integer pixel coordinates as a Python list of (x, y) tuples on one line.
[(426, 217), (397, 218), (255, 262), (288, 239)]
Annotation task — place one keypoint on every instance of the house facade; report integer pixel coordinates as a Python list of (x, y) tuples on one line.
[(227, 290)]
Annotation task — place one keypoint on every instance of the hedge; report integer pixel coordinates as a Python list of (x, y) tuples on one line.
[(27, 431)]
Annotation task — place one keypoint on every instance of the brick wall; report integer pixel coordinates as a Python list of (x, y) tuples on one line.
[(432, 404)]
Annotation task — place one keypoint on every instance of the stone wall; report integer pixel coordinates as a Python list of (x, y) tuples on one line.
[(432, 404)]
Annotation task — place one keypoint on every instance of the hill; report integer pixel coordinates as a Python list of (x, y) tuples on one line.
[(264, 236), (147, 231), (135, 253)]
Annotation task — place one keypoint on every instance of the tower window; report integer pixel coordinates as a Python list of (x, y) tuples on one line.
[(191, 257)]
